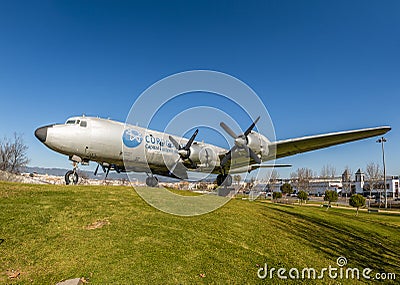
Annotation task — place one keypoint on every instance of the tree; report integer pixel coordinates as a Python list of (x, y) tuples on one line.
[(357, 201), (272, 176), (13, 154), (276, 195), (303, 196), (301, 178), (331, 196), (374, 174), (237, 179), (287, 189), (328, 171)]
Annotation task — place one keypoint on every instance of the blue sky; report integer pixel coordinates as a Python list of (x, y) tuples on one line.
[(318, 66)]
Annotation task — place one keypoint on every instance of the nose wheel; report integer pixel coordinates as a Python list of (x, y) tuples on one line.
[(71, 177), (151, 181)]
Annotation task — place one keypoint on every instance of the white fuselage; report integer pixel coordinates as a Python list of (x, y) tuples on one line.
[(133, 148)]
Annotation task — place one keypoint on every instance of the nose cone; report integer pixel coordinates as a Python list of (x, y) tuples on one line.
[(41, 133)]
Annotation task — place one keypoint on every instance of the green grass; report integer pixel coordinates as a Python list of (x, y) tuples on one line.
[(45, 238)]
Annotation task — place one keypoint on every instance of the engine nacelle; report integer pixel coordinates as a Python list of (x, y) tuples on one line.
[(259, 144), (208, 157), (203, 156)]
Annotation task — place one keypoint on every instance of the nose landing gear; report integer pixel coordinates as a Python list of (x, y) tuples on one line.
[(71, 177)]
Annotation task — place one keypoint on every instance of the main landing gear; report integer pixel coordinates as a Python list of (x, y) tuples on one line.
[(151, 181), (224, 179), (71, 177)]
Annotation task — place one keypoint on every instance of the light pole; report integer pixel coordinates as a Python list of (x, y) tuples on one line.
[(382, 140)]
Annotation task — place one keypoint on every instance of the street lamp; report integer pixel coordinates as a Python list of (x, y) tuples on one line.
[(382, 141)]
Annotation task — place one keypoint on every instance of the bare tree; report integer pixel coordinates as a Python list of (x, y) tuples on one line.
[(237, 179), (301, 178), (374, 174), (272, 176), (328, 171), (5, 154), (13, 155)]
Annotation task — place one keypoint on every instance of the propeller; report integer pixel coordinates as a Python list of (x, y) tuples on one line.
[(241, 142), (184, 152)]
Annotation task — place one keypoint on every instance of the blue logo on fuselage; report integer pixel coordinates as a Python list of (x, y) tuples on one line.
[(132, 138)]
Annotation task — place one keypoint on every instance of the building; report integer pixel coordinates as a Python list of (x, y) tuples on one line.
[(359, 181), (344, 185), (316, 186), (365, 187)]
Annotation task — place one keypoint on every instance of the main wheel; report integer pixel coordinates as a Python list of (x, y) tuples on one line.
[(220, 179), (151, 181), (225, 180), (71, 177)]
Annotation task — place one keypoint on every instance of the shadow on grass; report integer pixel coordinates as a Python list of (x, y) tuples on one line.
[(361, 247)]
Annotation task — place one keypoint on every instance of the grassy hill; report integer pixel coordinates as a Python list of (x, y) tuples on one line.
[(110, 235)]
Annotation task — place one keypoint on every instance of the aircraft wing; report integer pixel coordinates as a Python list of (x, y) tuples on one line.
[(298, 145)]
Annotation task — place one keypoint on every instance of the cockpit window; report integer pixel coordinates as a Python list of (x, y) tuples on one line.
[(70, 122), (83, 124)]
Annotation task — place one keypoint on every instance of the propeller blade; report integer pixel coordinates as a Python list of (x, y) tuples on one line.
[(228, 130), (174, 166), (178, 170), (174, 142), (189, 143), (228, 156), (241, 142), (251, 127), (207, 156)]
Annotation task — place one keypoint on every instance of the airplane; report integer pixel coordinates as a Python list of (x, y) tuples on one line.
[(126, 148)]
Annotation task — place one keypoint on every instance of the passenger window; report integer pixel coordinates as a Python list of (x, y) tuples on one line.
[(83, 124), (70, 122)]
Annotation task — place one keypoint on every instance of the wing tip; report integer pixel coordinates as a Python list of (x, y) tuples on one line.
[(385, 129)]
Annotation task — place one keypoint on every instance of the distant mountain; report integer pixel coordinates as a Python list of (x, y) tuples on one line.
[(141, 177), (49, 171), (61, 172)]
